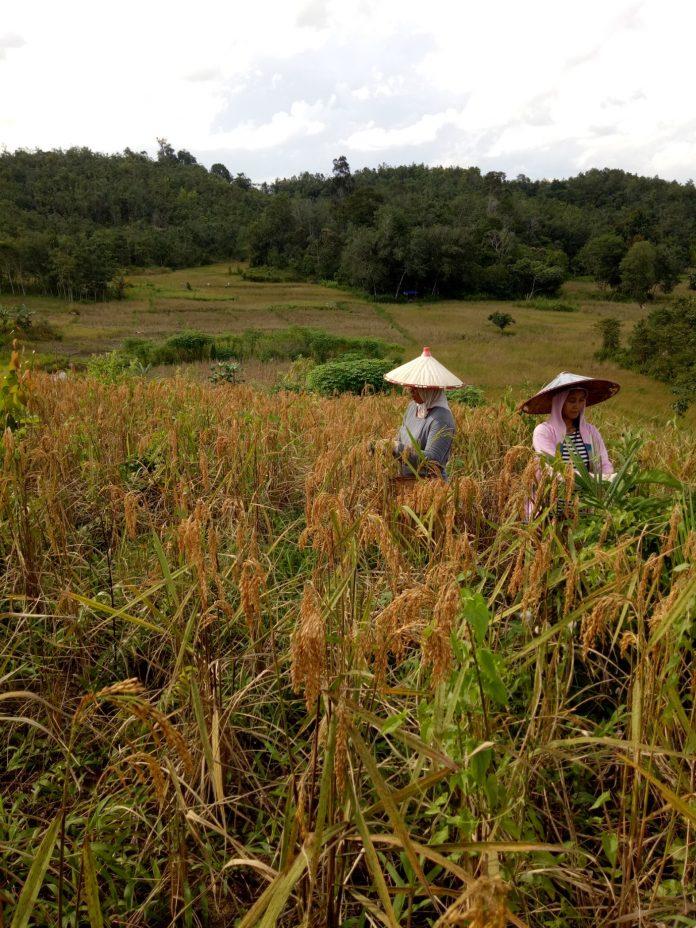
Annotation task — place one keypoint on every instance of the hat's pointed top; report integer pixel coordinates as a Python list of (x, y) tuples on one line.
[(424, 371)]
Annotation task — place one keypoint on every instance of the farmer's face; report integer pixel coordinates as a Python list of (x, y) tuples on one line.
[(574, 404), (415, 394)]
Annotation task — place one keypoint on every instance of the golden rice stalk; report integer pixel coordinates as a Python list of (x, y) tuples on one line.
[(437, 644), (251, 585), (595, 623), (341, 751), (130, 514), (399, 624), (308, 648), (482, 905)]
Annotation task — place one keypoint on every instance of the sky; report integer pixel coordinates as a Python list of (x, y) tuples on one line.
[(272, 88)]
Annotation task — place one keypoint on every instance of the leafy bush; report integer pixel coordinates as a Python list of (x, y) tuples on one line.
[(349, 376), (610, 330), (225, 372), (663, 345), (20, 321), (501, 320), (467, 396), (295, 379), (109, 367)]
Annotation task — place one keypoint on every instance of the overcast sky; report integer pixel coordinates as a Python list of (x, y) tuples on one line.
[(274, 87)]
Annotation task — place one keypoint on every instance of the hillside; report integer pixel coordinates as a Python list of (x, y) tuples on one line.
[(73, 221), (221, 301)]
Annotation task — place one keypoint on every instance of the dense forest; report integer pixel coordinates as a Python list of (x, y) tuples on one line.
[(72, 221)]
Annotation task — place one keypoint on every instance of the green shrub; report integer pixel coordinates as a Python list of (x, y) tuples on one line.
[(109, 367), (352, 376), (295, 379), (467, 396), (276, 345), (225, 372)]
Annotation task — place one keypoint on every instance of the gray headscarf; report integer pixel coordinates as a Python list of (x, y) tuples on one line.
[(432, 396)]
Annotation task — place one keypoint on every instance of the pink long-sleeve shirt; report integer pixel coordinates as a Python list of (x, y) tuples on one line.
[(549, 435)]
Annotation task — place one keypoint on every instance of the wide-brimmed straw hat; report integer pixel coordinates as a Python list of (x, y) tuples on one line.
[(596, 388), (424, 371)]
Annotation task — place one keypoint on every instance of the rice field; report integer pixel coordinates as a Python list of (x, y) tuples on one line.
[(248, 678), (217, 299)]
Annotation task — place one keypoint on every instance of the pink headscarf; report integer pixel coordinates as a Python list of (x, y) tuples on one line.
[(549, 434)]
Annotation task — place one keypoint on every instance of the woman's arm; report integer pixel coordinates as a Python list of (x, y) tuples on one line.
[(544, 439), (606, 467), (439, 441)]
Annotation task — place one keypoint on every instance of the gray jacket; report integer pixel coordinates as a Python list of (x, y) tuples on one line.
[(432, 435)]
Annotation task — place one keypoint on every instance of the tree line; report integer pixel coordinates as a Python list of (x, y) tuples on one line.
[(73, 220)]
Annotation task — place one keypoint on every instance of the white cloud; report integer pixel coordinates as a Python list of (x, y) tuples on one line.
[(301, 121), (509, 85), (426, 129)]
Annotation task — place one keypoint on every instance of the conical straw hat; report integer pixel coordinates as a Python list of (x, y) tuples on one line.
[(597, 390), (424, 371)]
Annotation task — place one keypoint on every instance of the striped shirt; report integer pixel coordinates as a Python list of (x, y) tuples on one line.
[(573, 447)]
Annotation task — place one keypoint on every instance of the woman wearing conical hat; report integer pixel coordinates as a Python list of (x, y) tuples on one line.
[(566, 432), (424, 441)]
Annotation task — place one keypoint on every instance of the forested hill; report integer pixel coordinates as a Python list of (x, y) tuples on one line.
[(70, 221)]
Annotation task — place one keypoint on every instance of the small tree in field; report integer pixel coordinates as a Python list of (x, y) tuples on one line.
[(610, 330), (639, 271), (501, 320)]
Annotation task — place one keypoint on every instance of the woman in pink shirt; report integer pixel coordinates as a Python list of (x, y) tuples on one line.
[(566, 433)]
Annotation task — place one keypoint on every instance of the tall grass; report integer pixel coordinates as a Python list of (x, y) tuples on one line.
[(247, 678)]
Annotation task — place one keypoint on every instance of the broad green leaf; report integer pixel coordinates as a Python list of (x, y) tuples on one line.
[(30, 890), (598, 803), (91, 887), (610, 843), (476, 613)]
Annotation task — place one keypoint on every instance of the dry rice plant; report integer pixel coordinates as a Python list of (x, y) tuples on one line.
[(247, 678)]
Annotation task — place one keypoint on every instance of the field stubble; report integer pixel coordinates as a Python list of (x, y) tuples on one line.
[(248, 678)]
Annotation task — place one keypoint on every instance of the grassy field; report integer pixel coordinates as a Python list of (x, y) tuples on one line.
[(540, 344)]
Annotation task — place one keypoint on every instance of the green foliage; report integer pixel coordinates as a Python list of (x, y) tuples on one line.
[(610, 330), (467, 396), (692, 280), (20, 321), (111, 366), (74, 219), (353, 376), (501, 320), (663, 345), (601, 257), (225, 372), (295, 379), (639, 271), (13, 395), (274, 345)]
